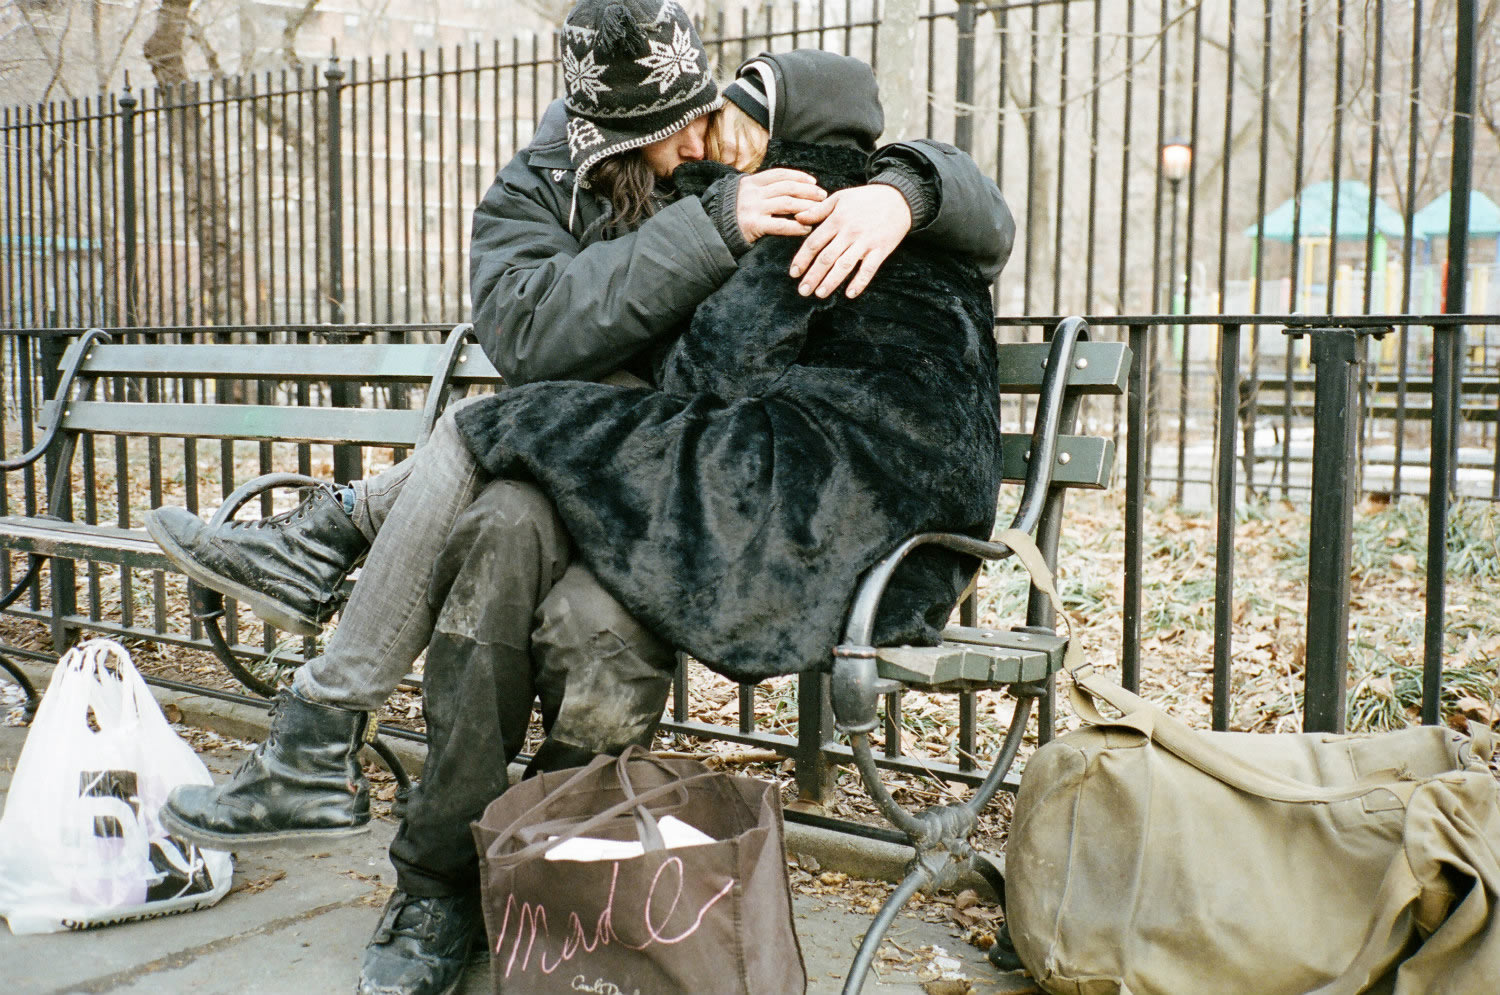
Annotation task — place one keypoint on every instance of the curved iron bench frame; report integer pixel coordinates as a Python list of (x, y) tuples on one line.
[(940, 834), (207, 606)]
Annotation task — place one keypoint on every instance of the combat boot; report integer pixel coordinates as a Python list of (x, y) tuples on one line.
[(303, 780), (422, 944), (288, 568)]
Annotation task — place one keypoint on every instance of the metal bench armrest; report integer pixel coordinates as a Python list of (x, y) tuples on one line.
[(437, 391), (71, 365)]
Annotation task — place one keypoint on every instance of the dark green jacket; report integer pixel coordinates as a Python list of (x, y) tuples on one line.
[(559, 295)]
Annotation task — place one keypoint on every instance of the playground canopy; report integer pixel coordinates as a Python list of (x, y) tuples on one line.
[(1432, 221), (1317, 210)]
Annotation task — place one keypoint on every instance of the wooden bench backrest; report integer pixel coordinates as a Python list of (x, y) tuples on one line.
[(1101, 368), (416, 365)]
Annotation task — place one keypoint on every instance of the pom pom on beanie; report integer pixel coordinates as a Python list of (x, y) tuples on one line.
[(619, 34)]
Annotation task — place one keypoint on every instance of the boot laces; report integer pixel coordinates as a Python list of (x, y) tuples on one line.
[(422, 929), (266, 743), (309, 495)]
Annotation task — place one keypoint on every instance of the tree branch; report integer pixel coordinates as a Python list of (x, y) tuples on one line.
[(210, 55), (294, 23)]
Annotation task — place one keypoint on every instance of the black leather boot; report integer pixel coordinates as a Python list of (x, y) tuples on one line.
[(553, 755), (287, 568), (421, 944), (304, 780)]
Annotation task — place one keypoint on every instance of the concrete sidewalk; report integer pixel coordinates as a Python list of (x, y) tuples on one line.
[(298, 918)]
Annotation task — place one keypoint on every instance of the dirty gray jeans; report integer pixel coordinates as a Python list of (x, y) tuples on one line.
[(488, 562), (517, 620)]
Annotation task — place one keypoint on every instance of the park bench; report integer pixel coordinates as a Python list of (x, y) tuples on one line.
[(1389, 396), (1402, 403), (1052, 376), (100, 391)]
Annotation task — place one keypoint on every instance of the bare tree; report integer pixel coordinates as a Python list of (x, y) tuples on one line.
[(63, 49)]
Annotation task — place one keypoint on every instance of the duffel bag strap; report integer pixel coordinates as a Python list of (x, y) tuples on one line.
[(1168, 732)]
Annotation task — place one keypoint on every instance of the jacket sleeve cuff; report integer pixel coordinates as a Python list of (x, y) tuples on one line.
[(721, 203), (920, 192)]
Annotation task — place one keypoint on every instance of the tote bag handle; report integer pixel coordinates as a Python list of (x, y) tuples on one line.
[(604, 816), (646, 825)]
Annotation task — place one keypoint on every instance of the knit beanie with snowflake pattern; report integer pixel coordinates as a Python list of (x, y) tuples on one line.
[(634, 73)]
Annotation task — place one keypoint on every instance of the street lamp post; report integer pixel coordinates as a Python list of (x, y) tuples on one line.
[(1176, 160)]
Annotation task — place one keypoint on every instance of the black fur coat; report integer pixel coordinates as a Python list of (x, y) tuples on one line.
[(792, 442)]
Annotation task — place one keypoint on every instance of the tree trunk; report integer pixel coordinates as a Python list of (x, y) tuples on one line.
[(205, 205)]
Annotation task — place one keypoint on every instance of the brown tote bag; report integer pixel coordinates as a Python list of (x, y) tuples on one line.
[(706, 919)]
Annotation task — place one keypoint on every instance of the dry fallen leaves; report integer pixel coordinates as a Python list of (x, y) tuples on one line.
[(259, 884)]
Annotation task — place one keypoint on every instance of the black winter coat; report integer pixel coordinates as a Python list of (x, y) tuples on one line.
[(792, 443)]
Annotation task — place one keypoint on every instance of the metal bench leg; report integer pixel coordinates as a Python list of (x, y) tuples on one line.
[(34, 564), (208, 608), (33, 700), (393, 764), (909, 886), (940, 834)]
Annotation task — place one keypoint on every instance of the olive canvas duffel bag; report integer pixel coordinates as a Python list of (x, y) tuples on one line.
[(1149, 857)]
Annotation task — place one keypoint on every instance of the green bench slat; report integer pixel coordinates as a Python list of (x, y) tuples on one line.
[(971, 656), (1082, 460), (1104, 369), (375, 364), (78, 541), (256, 422)]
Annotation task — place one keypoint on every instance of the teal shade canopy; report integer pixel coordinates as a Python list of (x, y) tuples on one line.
[(1317, 211), (1432, 220)]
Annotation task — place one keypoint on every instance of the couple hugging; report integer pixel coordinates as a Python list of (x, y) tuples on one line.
[(749, 353)]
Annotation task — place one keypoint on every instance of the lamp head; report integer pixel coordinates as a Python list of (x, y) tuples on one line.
[(1176, 159)]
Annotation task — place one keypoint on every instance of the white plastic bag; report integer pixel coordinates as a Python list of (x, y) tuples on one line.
[(80, 841)]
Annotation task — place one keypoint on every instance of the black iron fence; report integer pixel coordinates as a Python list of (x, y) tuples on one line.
[(1181, 172), (1160, 158)]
